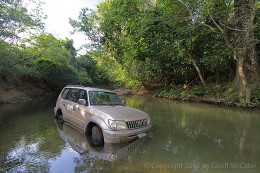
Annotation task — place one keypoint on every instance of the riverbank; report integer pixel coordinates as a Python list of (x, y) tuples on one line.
[(224, 95), (211, 94), (22, 92)]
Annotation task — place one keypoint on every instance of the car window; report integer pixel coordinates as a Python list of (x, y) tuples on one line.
[(64, 93), (73, 95), (104, 98), (83, 95)]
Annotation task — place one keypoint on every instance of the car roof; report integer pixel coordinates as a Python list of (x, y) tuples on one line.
[(88, 88)]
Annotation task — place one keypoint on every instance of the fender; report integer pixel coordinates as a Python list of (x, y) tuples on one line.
[(97, 121)]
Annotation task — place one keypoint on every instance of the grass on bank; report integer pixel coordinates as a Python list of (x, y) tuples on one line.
[(212, 93)]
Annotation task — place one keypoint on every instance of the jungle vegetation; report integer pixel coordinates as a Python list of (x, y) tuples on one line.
[(183, 47)]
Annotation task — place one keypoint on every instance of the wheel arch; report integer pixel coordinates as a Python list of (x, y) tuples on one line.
[(58, 112), (95, 121)]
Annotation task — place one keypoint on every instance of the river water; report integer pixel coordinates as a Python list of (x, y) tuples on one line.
[(185, 138)]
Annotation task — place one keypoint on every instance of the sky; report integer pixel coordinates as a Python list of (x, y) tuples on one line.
[(58, 13)]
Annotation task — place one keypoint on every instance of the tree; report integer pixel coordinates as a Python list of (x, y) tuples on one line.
[(245, 46), (161, 42), (235, 22), (56, 63), (16, 19), (237, 28)]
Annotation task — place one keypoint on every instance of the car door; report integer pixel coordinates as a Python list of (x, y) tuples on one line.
[(70, 105), (81, 110), (64, 103)]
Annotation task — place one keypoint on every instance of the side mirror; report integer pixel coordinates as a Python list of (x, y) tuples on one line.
[(82, 102), (124, 102)]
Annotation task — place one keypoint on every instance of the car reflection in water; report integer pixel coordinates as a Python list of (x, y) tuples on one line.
[(82, 144)]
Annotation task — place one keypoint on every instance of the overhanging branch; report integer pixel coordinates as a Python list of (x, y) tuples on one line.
[(31, 57)]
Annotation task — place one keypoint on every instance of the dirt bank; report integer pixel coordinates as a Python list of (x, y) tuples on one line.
[(14, 93)]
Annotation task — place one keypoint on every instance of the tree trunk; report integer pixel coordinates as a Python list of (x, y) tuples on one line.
[(243, 77), (245, 52), (199, 73), (197, 68)]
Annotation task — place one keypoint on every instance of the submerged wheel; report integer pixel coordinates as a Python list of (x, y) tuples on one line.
[(97, 136)]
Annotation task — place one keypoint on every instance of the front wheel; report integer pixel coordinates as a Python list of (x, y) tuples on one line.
[(97, 136)]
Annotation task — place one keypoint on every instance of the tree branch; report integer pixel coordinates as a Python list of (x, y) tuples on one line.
[(191, 56), (211, 28), (186, 6), (31, 57), (234, 29), (221, 30), (230, 46)]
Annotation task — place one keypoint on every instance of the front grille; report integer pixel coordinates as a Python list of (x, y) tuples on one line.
[(136, 124)]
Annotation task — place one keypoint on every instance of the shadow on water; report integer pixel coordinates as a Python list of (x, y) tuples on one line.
[(185, 137)]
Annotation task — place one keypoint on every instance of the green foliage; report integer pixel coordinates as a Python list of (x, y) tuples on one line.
[(15, 18), (216, 94), (256, 93), (153, 43), (57, 74), (232, 94), (56, 63), (211, 90), (49, 60), (9, 54), (137, 44), (5, 57), (109, 69)]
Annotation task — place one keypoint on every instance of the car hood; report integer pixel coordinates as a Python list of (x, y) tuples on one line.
[(122, 112)]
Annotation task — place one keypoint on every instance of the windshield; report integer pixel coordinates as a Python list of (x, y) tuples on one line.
[(104, 98)]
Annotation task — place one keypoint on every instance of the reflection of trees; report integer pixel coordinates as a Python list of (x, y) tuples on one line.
[(135, 102), (26, 157), (32, 152), (181, 133), (29, 138), (186, 131)]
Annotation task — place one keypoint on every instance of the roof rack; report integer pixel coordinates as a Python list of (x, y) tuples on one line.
[(74, 86)]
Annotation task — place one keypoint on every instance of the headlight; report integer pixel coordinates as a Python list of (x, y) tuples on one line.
[(117, 124)]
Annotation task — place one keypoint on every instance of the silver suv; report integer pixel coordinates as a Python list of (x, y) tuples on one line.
[(102, 114)]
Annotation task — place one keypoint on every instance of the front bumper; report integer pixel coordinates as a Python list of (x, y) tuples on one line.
[(111, 136)]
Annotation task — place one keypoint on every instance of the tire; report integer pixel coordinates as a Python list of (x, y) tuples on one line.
[(97, 136), (60, 118)]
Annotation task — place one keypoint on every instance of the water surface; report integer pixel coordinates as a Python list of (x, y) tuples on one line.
[(185, 137)]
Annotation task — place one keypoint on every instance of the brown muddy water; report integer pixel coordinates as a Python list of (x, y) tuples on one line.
[(185, 138)]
